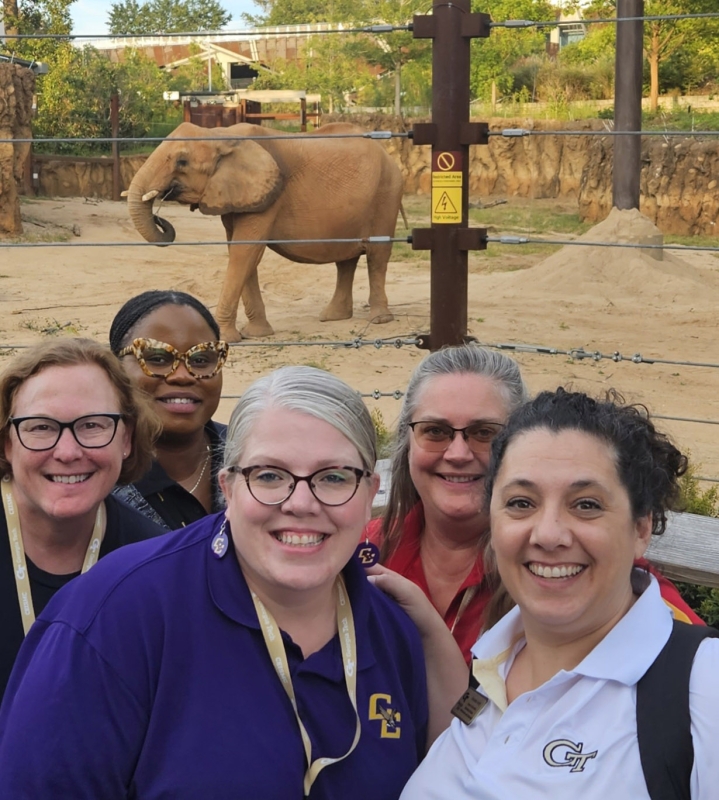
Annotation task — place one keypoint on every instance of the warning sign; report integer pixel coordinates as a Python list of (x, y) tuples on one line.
[(447, 204), (447, 186)]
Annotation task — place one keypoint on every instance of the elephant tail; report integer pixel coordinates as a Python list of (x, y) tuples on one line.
[(404, 216)]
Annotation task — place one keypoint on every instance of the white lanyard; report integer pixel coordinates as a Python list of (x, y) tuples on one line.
[(348, 645), (22, 579)]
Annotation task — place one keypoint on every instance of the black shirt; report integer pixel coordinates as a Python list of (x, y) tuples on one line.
[(124, 526), (165, 501)]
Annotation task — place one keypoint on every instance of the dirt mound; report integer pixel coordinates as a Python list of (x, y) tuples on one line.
[(620, 274)]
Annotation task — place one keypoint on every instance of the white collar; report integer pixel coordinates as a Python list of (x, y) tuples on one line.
[(623, 655)]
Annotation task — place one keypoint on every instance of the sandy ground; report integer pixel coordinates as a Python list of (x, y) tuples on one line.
[(607, 302)]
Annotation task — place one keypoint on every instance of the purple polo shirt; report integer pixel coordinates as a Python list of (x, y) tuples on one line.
[(148, 678)]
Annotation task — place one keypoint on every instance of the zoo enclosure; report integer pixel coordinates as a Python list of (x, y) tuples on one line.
[(449, 239)]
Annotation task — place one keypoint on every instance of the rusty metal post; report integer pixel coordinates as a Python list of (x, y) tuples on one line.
[(115, 125), (303, 114), (451, 26), (628, 105)]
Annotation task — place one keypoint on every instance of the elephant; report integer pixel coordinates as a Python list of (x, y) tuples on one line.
[(284, 187)]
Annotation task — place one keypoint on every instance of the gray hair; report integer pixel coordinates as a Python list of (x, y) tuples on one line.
[(463, 360), (310, 391)]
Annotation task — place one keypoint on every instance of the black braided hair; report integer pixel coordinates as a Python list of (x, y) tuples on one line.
[(138, 307)]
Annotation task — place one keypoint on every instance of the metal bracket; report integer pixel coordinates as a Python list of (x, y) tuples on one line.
[(472, 238), (474, 133), (423, 133), (473, 26), (423, 26), (476, 26), (422, 238)]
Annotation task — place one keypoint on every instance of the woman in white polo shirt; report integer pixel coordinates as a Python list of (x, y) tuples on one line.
[(577, 489)]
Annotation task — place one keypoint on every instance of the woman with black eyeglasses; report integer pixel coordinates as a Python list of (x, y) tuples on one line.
[(456, 402), (71, 426), (245, 656), (169, 344)]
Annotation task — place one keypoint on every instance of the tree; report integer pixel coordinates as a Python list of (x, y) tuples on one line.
[(75, 96), (36, 16), (664, 38), (391, 52), (493, 57), (166, 16)]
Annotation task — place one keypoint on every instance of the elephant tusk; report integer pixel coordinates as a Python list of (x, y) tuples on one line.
[(150, 196), (124, 193)]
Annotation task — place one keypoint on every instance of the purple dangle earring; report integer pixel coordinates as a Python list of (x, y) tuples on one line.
[(367, 553), (220, 542)]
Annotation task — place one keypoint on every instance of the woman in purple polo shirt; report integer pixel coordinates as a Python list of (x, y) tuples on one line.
[(245, 656)]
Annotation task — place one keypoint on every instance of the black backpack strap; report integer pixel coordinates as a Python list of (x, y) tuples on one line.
[(663, 719)]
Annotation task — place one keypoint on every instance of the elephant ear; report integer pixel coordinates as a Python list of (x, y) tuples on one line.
[(246, 178)]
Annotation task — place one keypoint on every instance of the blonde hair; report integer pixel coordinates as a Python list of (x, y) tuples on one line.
[(136, 409)]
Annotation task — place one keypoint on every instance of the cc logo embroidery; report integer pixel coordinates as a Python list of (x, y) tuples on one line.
[(380, 707), (366, 555), (563, 753)]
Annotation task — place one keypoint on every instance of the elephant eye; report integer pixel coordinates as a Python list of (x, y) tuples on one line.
[(182, 162)]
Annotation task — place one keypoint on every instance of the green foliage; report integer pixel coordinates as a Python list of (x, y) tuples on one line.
[(166, 16), (328, 68), (37, 16), (695, 500), (492, 57), (74, 98), (384, 435)]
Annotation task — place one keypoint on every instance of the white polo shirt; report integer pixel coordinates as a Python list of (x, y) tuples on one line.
[(574, 737)]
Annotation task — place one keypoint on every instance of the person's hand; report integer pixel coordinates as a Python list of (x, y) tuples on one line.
[(407, 595)]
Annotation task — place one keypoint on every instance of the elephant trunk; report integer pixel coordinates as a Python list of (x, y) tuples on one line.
[(151, 227)]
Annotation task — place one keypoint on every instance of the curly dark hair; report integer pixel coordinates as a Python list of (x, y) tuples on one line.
[(648, 464)]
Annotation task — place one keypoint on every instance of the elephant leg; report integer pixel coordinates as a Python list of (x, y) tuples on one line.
[(257, 324), (340, 306), (377, 259), (241, 267)]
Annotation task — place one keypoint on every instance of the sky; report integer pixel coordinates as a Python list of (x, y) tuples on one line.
[(89, 17)]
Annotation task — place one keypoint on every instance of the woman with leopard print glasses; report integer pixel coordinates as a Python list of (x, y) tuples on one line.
[(169, 345)]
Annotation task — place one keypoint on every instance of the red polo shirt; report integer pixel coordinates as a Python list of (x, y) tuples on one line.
[(466, 626)]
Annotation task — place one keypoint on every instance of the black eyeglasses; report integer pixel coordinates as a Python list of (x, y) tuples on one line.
[(160, 360), (436, 437), (43, 433), (332, 486)]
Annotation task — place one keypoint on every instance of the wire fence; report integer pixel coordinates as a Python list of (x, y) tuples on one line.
[(408, 340)]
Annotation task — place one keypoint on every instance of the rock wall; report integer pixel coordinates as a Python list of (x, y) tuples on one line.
[(17, 87), (678, 184), (67, 176), (679, 177)]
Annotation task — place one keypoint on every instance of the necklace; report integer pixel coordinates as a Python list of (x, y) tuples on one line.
[(202, 472)]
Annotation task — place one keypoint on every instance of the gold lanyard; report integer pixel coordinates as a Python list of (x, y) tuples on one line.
[(22, 579), (467, 598), (348, 645)]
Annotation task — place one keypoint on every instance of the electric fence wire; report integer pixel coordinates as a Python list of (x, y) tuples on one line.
[(251, 32), (520, 132), (526, 23), (209, 137), (223, 243), (378, 28), (367, 240), (520, 240)]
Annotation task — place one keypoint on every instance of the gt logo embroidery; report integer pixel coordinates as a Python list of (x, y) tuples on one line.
[(389, 716), (573, 755)]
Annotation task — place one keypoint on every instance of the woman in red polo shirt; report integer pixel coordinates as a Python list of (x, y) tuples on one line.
[(457, 400)]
